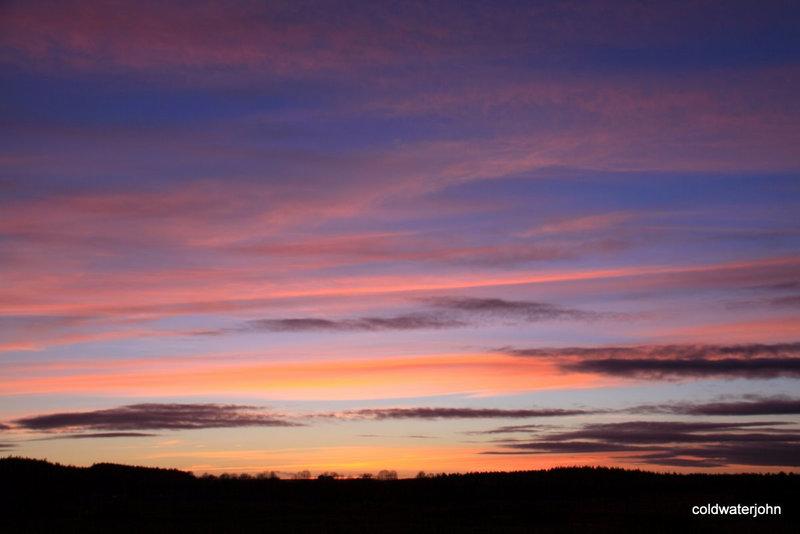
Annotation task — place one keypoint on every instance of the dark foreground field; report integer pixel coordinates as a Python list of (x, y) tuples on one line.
[(43, 497)]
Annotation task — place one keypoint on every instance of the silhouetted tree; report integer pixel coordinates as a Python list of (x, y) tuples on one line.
[(386, 474)]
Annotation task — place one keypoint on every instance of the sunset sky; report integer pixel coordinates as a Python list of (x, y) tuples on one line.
[(445, 236)]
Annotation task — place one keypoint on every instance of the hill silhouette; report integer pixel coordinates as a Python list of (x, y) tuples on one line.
[(40, 496)]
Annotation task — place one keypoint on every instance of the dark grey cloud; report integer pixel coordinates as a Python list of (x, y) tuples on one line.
[(448, 312), (780, 454), (523, 310), (509, 429), (457, 413), (674, 458), (102, 435), (4, 427), (792, 301), (452, 312), (153, 417), (411, 436), (412, 321), (399, 322), (685, 351), (781, 286), (674, 443), (665, 368), (7, 445), (542, 447), (654, 432), (756, 406), (753, 360)]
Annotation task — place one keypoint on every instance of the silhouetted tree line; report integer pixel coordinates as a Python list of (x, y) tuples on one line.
[(40, 496)]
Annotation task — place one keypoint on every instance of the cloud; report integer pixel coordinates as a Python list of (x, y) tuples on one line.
[(410, 436), (780, 286), (104, 435), (664, 368), (452, 312), (568, 447), (456, 413), (279, 36), (670, 458), (753, 360), (689, 351), (463, 306), (789, 301), (432, 247), (674, 443), (670, 432), (154, 416), (783, 454), (758, 406), (4, 427), (530, 311), (510, 429), (400, 322), (590, 223), (273, 37)]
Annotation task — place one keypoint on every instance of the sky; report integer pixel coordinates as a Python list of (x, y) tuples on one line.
[(349, 236)]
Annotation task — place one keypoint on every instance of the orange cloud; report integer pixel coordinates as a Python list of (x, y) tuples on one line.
[(364, 378)]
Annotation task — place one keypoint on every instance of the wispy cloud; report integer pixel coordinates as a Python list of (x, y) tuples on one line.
[(571, 447), (457, 413), (523, 310), (791, 301), (449, 312), (509, 429), (153, 417), (276, 36), (400, 322), (93, 435), (755, 406), (587, 224)]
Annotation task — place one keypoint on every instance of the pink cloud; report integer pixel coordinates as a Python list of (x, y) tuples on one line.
[(119, 305), (274, 36), (278, 36)]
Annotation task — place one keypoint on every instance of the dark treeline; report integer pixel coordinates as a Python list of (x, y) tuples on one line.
[(39, 496)]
